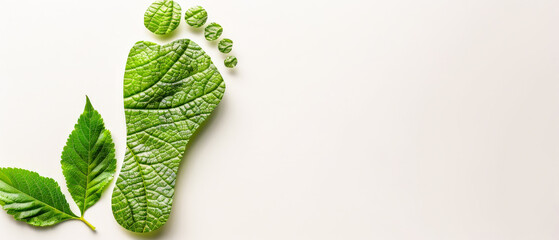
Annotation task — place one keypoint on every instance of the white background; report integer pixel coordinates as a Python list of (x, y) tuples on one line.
[(354, 119)]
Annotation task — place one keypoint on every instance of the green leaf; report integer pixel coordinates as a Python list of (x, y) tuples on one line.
[(225, 45), (213, 31), (196, 16), (33, 199), (162, 16), (169, 91), (230, 61), (88, 159)]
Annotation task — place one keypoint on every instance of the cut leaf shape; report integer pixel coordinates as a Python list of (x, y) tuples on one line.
[(213, 31), (225, 45), (33, 199), (230, 61), (196, 16), (88, 159), (162, 16), (169, 91)]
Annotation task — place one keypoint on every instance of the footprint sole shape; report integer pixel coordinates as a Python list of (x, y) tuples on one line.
[(169, 91)]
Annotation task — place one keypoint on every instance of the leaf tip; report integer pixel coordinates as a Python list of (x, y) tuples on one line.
[(88, 106)]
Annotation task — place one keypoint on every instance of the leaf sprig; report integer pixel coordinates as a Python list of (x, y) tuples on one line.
[(88, 164)]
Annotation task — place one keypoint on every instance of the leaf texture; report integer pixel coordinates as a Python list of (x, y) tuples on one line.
[(33, 199), (88, 159), (225, 45), (162, 16), (213, 31), (169, 91), (196, 16), (230, 61)]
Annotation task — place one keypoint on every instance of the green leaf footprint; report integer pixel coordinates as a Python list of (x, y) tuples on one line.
[(169, 92)]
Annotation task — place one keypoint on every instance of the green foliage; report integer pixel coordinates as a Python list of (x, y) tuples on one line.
[(230, 61), (88, 159), (213, 31), (88, 164), (169, 91), (162, 16), (33, 199), (225, 45), (196, 16)]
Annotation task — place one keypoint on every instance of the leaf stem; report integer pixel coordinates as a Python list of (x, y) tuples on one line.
[(87, 223)]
